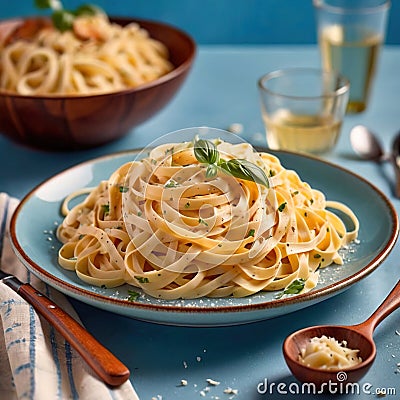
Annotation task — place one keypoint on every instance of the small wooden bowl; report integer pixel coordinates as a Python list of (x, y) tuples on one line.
[(80, 122), (323, 378), (358, 337)]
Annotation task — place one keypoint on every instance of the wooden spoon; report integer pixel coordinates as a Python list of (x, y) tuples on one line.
[(357, 337)]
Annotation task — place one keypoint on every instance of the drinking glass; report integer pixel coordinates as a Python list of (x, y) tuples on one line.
[(303, 108), (350, 35)]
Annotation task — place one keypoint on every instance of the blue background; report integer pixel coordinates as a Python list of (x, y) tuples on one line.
[(221, 90), (220, 21)]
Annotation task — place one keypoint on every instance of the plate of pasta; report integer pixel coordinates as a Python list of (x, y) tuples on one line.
[(203, 232)]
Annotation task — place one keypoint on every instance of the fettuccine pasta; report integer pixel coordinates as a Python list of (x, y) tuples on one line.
[(164, 225), (97, 56)]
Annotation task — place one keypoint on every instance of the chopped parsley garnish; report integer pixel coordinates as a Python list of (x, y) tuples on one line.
[(201, 221), (282, 207), (171, 184), (133, 296), (142, 279), (294, 288), (106, 208), (123, 189), (251, 232), (169, 151)]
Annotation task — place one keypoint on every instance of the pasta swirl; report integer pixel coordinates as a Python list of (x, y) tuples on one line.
[(163, 225), (97, 56)]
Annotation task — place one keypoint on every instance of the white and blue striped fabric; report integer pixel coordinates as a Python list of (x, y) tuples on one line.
[(36, 363)]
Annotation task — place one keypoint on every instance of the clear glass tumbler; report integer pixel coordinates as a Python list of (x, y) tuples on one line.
[(303, 108), (350, 35)]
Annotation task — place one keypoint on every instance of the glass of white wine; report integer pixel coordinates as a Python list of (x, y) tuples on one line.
[(350, 35), (303, 108)]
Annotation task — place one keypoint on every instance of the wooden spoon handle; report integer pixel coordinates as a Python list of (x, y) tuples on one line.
[(101, 360), (391, 303)]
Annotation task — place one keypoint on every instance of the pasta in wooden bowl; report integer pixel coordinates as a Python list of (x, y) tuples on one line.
[(88, 86)]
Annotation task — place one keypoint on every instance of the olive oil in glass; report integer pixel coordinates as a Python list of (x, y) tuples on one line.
[(301, 133), (353, 53)]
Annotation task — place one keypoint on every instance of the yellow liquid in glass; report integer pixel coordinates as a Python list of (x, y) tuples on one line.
[(301, 133), (354, 54)]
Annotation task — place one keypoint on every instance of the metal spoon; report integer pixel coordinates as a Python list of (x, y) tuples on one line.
[(367, 146), (357, 337), (396, 161)]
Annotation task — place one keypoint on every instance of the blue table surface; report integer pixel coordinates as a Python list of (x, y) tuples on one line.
[(222, 90)]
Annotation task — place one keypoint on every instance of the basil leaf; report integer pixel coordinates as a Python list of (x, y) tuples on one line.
[(211, 171), (243, 169), (63, 20), (88, 9), (45, 4), (206, 152)]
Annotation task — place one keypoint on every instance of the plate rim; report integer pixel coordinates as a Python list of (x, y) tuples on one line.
[(315, 294)]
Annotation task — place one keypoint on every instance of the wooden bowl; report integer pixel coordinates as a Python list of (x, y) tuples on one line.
[(325, 378), (79, 122)]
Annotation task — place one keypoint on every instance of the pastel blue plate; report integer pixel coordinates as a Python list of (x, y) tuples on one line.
[(35, 220)]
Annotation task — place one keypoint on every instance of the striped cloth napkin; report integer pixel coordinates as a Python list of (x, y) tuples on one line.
[(36, 362)]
